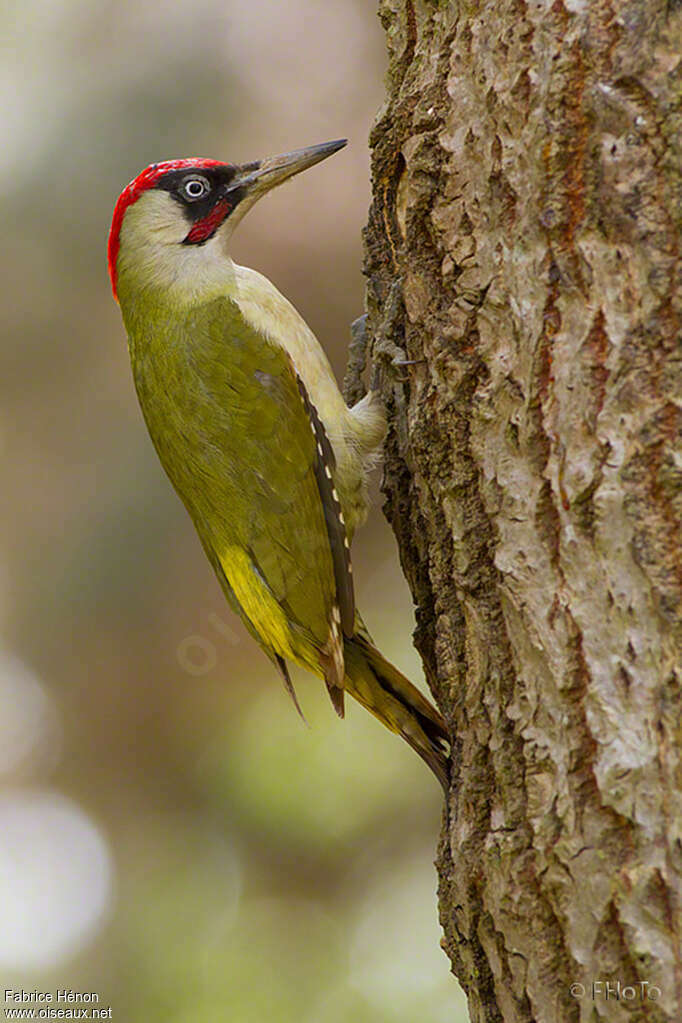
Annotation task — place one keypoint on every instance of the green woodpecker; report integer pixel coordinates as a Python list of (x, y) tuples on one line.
[(250, 426)]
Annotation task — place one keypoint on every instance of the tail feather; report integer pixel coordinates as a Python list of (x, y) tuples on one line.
[(385, 692)]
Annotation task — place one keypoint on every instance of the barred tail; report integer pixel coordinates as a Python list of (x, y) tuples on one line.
[(386, 693)]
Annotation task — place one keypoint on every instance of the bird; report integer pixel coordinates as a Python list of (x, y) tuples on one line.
[(250, 426)]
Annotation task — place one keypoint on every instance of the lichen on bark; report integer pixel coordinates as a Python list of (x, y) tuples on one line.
[(524, 294)]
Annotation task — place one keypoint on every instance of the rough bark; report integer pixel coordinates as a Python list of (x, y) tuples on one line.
[(524, 294)]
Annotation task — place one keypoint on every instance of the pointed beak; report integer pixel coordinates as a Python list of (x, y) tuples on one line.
[(258, 178)]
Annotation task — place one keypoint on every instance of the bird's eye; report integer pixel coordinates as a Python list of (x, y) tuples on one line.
[(195, 188)]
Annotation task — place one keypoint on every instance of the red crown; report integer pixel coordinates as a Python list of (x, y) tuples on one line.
[(132, 192)]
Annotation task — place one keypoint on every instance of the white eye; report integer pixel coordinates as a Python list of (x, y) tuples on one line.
[(195, 188)]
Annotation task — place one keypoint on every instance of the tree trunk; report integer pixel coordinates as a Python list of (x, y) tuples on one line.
[(524, 295)]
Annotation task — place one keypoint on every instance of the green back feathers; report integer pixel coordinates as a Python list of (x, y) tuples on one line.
[(226, 416), (248, 454)]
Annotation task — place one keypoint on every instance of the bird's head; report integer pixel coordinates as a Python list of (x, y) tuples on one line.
[(175, 217)]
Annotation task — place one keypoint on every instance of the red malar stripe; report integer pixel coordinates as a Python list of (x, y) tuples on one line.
[(203, 229)]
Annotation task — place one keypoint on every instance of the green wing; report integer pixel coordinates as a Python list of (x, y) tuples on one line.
[(256, 480)]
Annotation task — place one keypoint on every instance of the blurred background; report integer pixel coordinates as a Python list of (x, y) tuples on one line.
[(172, 836)]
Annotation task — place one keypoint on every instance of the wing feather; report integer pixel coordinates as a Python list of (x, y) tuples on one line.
[(266, 506)]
